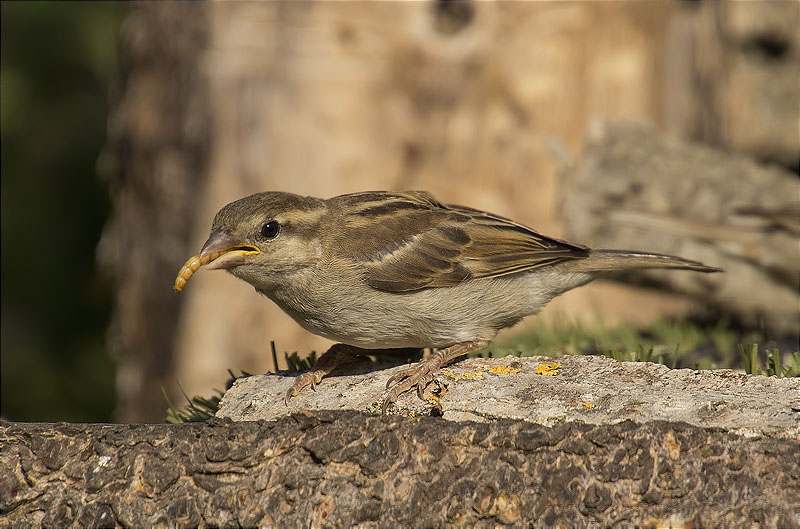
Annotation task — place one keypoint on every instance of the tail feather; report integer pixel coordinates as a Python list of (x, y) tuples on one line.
[(609, 260)]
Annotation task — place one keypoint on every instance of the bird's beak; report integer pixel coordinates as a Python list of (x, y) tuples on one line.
[(221, 251), (224, 250)]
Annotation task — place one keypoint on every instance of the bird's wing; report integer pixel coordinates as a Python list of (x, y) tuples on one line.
[(409, 241)]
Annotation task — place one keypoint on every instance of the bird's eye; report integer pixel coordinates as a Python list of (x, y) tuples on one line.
[(270, 229)]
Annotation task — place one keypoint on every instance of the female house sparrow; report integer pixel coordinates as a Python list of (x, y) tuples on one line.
[(377, 271)]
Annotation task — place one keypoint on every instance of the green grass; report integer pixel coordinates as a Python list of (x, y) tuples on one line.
[(677, 343), (775, 365), (197, 408)]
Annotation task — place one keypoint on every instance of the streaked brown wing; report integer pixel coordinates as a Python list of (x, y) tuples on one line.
[(409, 241)]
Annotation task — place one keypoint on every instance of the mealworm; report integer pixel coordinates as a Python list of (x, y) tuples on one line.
[(193, 265)]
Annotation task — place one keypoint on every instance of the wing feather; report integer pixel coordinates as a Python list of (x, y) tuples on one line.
[(409, 241)]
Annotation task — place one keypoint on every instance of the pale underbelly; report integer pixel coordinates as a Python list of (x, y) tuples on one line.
[(417, 320)]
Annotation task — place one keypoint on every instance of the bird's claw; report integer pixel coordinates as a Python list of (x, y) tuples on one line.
[(405, 373), (419, 375), (288, 396), (301, 382)]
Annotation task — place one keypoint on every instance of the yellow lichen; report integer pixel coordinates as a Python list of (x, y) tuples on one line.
[(548, 368), (589, 405), (469, 375), (503, 370), (448, 373)]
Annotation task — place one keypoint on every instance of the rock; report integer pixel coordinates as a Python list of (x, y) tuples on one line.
[(586, 389)]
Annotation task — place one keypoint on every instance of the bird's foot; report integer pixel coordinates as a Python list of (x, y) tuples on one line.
[(309, 378), (422, 373), (419, 375), (333, 357)]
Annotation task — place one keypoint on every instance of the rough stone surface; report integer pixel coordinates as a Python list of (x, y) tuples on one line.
[(348, 469), (590, 389)]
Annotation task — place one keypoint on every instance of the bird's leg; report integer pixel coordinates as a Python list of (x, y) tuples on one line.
[(421, 374), (330, 360)]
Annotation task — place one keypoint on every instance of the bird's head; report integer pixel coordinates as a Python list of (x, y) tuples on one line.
[(261, 239)]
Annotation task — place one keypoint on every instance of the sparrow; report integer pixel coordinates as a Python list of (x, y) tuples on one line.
[(390, 272)]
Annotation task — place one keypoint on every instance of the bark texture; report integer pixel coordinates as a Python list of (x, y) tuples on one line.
[(347, 469)]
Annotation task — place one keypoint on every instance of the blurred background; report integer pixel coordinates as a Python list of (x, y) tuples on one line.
[(58, 64), (668, 126)]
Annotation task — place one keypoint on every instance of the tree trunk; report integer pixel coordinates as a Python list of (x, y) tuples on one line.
[(347, 469)]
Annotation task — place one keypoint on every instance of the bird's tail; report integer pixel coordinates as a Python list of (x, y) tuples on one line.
[(610, 260)]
